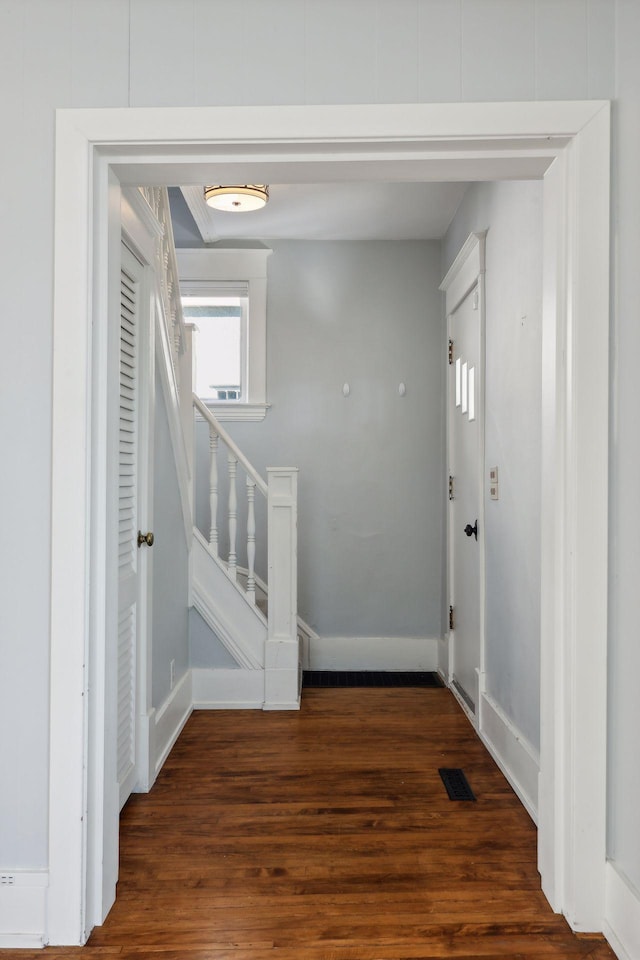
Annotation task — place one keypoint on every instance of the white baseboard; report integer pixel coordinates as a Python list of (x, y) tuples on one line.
[(516, 757), (227, 689), (23, 895), (621, 914), (373, 653), (169, 720)]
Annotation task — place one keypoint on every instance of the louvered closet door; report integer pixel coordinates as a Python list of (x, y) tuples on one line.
[(128, 559)]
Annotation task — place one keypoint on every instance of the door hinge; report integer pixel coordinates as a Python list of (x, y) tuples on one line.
[(451, 619), (450, 351), (450, 487)]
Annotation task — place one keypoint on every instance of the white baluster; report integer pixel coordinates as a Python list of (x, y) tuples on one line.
[(233, 515), (213, 489), (251, 539)]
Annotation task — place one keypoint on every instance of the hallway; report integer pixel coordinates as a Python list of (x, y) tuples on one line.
[(328, 834)]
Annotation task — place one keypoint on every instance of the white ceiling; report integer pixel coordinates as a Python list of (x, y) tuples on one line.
[(336, 211)]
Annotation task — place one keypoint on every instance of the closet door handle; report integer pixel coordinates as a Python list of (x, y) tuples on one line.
[(469, 530)]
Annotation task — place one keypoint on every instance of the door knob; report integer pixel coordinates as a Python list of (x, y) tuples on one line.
[(145, 538), (472, 530)]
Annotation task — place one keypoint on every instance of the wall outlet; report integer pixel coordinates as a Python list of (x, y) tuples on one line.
[(172, 674), (7, 879)]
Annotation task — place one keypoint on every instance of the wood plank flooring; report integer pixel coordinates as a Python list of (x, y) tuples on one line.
[(328, 835)]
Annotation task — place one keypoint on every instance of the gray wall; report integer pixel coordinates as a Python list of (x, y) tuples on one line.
[(119, 53), (170, 563), (370, 528), (205, 648), (512, 212)]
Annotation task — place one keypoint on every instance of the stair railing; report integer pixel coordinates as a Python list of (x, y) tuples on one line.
[(254, 482), (282, 653)]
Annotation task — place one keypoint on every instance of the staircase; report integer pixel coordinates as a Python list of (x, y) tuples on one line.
[(255, 620)]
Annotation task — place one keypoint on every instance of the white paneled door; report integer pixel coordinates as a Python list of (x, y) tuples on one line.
[(465, 521), (130, 592)]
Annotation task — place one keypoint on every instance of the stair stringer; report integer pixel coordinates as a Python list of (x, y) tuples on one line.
[(240, 626)]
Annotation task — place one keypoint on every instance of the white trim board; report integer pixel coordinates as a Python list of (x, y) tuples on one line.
[(227, 689), (372, 653), (567, 143), (516, 757), (622, 914), (169, 720), (23, 895)]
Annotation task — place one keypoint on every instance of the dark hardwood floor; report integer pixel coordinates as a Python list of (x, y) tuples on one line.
[(328, 835)]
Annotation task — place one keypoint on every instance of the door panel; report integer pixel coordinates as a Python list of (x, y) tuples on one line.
[(464, 466), (128, 506)]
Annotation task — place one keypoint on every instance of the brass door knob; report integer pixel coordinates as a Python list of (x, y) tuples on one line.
[(145, 538)]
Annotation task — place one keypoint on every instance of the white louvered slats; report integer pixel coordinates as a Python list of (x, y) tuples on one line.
[(126, 692), (127, 494), (130, 278)]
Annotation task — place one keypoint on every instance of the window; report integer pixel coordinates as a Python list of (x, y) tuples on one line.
[(219, 344), (224, 295)]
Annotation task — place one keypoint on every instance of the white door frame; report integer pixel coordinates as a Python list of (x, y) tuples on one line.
[(97, 148)]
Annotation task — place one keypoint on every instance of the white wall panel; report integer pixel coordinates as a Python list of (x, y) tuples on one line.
[(397, 53), (11, 59), (601, 43), (440, 54), (498, 42), (36, 73), (57, 53), (561, 49), (624, 788), (340, 50), (252, 52), (100, 53), (162, 53)]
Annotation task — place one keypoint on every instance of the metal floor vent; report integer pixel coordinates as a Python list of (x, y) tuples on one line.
[(456, 784)]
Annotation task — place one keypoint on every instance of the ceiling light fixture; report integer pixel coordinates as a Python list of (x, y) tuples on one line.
[(237, 198)]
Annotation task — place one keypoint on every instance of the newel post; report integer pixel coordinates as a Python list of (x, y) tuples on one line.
[(282, 654)]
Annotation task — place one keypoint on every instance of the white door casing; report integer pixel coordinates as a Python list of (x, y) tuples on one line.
[(465, 458), (565, 142)]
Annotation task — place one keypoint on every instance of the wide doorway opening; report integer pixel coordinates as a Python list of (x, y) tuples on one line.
[(567, 145)]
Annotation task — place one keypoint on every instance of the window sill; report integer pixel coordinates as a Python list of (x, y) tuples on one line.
[(238, 411)]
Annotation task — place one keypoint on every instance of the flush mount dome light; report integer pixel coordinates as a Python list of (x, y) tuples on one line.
[(237, 198)]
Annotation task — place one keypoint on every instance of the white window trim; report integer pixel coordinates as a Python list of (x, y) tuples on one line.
[(227, 265)]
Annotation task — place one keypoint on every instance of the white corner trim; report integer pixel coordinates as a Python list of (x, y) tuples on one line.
[(172, 406), (464, 271), (621, 914), (134, 208), (201, 213), (516, 757), (227, 689), (170, 718), (373, 653), (23, 896)]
